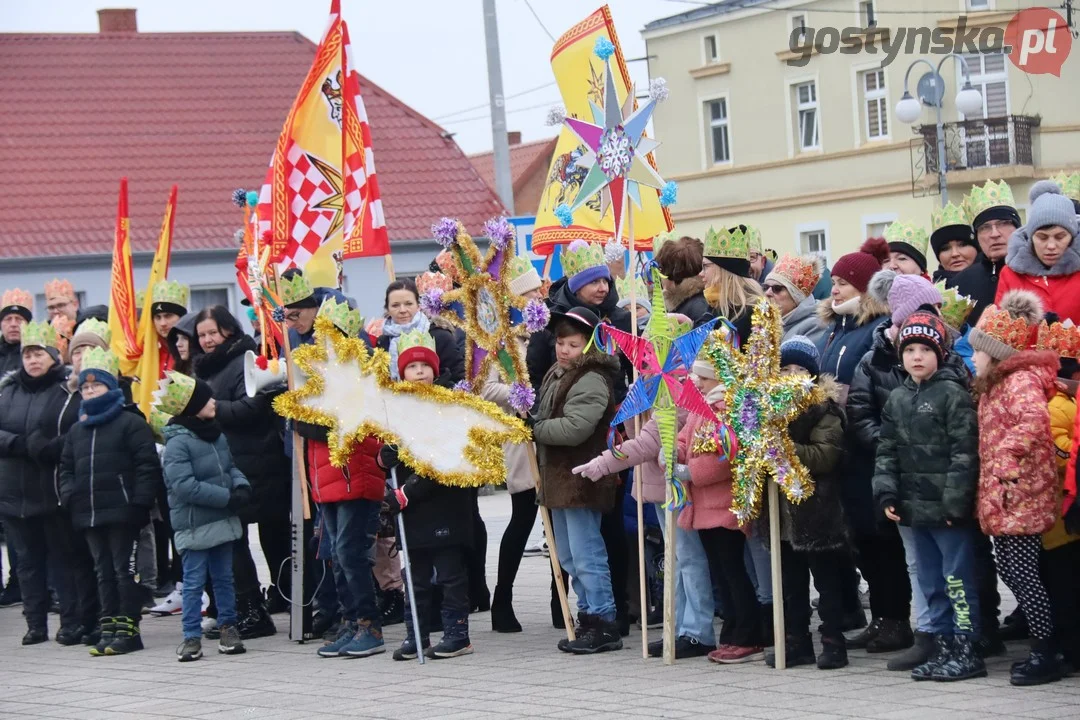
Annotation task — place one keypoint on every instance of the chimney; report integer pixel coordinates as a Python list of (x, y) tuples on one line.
[(120, 20), (514, 137)]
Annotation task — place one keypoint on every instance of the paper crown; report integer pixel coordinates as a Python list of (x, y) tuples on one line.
[(59, 288), (64, 327), (726, 244), (140, 299), (447, 266), (1062, 338), (433, 281), (374, 326), (158, 421), (38, 334), (345, 319), (415, 338), (804, 274), (174, 393), (1002, 326), (96, 358), (518, 266), (753, 238), (580, 255), (1069, 184), (93, 326), (949, 215), (294, 289), (992, 194), (17, 297), (170, 291), (955, 307), (622, 286), (908, 233), (665, 237)]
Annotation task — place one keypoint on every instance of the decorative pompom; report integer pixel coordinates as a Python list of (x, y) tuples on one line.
[(658, 90), (613, 251), (536, 315), (669, 194), (521, 396), (252, 316), (431, 302), (252, 198), (445, 231), (261, 363), (463, 385), (278, 315), (556, 114), (1023, 304), (878, 247), (268, 236), (500, 231), (1044, 187), (239, 197), (564, 215), (576, 245), (603, 48), (880, 286)]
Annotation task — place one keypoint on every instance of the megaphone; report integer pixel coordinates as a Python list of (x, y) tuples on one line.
[(257, 378)]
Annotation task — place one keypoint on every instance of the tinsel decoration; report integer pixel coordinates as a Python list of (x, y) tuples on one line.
[(603, 48), (278, 314), (454, 438), (614, 251), (564, 215), (669, 194), (431, 302), (463, 386), (536, 315), (239, 197), (658, 90), (446, 231), (759, 404), (522, 396), (500, 232), (555, 115)]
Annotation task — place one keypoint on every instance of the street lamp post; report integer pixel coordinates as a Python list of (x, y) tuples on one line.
[(968, 101)]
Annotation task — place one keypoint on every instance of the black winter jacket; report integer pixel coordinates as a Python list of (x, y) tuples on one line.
[(979, 282), (928, 455), (437, 516), (10, 357), (451, 353), (250, 426), (27, 487), (110, 473)]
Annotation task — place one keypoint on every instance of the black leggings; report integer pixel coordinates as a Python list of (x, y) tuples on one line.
[(476, 560), (515, 537), (1018, 564), (725, 550), (884, 567)]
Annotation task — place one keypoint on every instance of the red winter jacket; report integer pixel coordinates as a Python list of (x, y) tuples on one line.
[(361, 479), (1058, 287)]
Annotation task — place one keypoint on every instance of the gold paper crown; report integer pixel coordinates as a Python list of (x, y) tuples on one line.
[(908, 233), (1062, 338), (1069, 184), (415, 338), (992, 194), (955, 307), (949, 215), (345, 319), (622, 286), (38, 334), (665, 237), (59, 288), (93, 326), (803, 274), (170, 291), (725, 244), (433, 281), (581, 255), (96, 358), (17, 297), (174, 393), (294, 289)]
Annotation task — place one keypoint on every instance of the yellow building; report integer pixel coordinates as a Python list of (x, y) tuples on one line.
[(805, 143)]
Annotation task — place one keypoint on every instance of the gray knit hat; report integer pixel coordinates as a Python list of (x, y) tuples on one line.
[(1049, 207)]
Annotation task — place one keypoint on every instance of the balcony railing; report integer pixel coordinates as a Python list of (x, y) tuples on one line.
[(973, 144)]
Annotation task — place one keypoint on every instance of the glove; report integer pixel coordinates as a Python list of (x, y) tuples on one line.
[(682, 472), (395, 500), (594, 469), (239, 498), (388, 457), (1072, 519), (661, 460)]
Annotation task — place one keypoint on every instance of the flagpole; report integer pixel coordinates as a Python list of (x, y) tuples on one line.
[(388, 263)]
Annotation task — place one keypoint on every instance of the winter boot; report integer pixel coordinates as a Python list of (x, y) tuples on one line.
[(256, 622), (1014, 627), (11, 594), (393, 608), (108, 634), (91, 634), (915, 655), (601, 636), (127, 637), (455, 640), (767, 639), (584, 622), (69, 635), (503, 619), (36, 635), (861, 640), (940, 653), (962, 662), (1042, 666), (833, 653), (799, 650), (367, 641), (892, 635)]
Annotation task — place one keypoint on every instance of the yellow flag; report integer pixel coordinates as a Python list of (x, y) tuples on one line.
[(149, 368), (122, 290)]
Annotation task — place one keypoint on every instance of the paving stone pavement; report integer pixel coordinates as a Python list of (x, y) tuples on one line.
[(509, 676)]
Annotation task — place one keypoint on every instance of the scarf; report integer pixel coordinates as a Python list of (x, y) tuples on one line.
[(52, 376), (210, 364), (102, 409), (848, 307), (207, 430), (420, 321)]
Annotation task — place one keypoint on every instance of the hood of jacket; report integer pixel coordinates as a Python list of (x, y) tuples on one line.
[(595, 360), (184, 326), (808, 308), (1021, 257), (869, 308), (209, 364), (1043, 363), (682, 292)]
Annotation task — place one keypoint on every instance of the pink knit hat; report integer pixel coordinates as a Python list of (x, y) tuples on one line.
[(904, 294)]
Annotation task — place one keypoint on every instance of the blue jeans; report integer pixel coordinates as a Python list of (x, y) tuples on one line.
[(945, 560), (352, 526), (583, 556), (694, 603), (918, 597), (759, 567), (217, 562)]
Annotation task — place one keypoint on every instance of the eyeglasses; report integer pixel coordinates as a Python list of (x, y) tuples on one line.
[(58, 307), (992, 225), (292, 316), (774, 289)]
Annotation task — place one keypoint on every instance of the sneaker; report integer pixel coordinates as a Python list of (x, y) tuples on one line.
[(69, 635), (189, 650), (367, 641), (962, 662), (892, 635), (599, 636), (685, 647), (654, 619), (537, 549), (209, 626), (915, 655), (173, 604), (35, 636), (798, 651), (230, 642), (164, 589), (737, 654), (584, 621), (449, 647), (344, 637), (407, 651), (860, 641), (833, 653), (864, 599)]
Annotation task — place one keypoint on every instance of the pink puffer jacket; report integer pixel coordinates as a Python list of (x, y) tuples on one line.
[(709, 490)]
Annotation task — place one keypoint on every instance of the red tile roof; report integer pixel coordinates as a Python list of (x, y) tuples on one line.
[(525, 160), (202, 110)]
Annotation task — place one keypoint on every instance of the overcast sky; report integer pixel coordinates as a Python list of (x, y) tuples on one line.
[(429, 53)]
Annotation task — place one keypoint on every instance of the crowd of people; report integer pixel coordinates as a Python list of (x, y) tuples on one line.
[(942, 452)]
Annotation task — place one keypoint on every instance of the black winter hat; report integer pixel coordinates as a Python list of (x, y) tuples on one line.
[(199, 397)]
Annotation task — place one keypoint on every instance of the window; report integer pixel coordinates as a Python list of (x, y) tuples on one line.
[(798, 25), (990, 77), (204, 297), (716, 114), (814, 241), (978, 4), (867, 19), (712, 50), (987, 143), (876, 229), (807, 109), (875, 104), (40, 311)]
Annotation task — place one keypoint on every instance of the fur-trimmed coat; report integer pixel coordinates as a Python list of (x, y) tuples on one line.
[(1018, 487), (848, 337), (688, 298), (1058, 287), (575, 410)]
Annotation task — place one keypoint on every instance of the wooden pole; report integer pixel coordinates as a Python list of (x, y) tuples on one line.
[(643, 580), (388, 263), (547, 264), (553, 555), (670, 568), (779, 639)]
